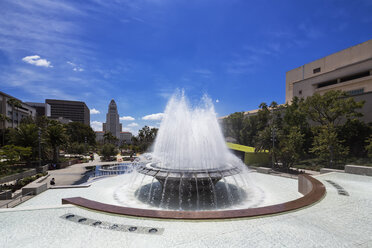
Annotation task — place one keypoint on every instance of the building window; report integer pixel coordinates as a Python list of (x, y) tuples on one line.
[(355, 76), (355, 92), (316, 70), (300, 92), (325, 84)]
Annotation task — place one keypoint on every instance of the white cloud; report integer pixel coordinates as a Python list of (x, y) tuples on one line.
[(217, 101), (127, 118), (36, 60), (96, 125), (94, 111), (133, 124), (78, 69), (75, 67), (152, 117)]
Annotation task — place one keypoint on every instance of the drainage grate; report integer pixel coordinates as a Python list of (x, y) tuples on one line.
[(112, 226), (340, 189)]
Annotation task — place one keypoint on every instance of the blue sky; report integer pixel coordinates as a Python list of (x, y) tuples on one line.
[(139, 52)]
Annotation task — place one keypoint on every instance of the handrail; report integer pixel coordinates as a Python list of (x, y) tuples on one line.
[(20, 198)]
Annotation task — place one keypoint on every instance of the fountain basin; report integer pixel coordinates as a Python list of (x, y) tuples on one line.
[(191, 180)]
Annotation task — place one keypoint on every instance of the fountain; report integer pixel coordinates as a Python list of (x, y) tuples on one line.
[(191, 174), (190, 153)]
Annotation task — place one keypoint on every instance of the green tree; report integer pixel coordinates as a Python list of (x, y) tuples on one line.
[(290, 147), (369, 146), (12, 154), (354, 134), (146, 136), (269, 126), (3, 119), (327, 146), (294, 115), (233, 125), (55, 136), (108, 150), (108, 138), (79, 132), (332, 108), (26, 135), (76, 148), (249, 131), (329, 111)]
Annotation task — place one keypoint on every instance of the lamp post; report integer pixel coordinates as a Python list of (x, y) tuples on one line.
[(272, 154), (85, 141)]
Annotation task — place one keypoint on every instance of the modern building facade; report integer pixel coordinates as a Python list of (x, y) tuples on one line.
[(349, 70), (13, 112), (42, 109), (71, 110)]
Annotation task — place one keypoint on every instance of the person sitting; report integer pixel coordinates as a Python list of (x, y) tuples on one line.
[(52, 182)]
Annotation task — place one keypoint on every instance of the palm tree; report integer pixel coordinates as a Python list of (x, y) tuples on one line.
[(26, 135), (14, 103), (55, 136), (3, 119)]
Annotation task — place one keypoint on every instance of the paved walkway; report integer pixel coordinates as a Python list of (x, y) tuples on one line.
[(74, 174)]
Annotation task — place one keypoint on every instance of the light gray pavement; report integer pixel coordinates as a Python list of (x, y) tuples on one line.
[(336, 221), (73, 174)]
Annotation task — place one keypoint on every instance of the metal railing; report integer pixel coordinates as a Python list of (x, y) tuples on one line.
[(16, 199)]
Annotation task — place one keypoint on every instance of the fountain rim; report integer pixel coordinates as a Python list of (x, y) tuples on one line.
[(313, 191), (151, 169)]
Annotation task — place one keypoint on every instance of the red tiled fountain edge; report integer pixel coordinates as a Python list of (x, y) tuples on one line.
[(312, 189)]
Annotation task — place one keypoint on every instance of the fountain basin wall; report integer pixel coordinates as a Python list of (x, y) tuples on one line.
[(312, 189)]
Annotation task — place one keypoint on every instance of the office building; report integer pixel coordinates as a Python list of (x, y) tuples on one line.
[(42, 109), (13, 112), (70, 110)]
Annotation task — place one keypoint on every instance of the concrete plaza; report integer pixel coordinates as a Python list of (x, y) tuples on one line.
[(339, 220)]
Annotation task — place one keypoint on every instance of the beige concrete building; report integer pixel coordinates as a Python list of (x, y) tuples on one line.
[(349, 70), (125, 138)]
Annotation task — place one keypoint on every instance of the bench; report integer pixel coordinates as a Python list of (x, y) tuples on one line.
[(359, 170)]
